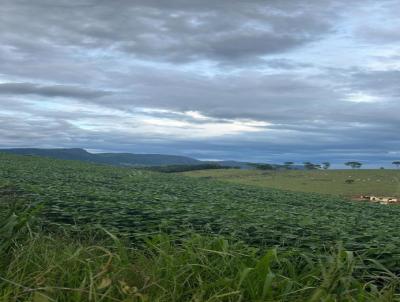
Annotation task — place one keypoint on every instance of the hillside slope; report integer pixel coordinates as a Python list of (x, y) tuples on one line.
[(119, 159), (122, 159)]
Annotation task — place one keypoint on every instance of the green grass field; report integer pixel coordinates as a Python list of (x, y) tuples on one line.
[(102, 233), (378, 182)]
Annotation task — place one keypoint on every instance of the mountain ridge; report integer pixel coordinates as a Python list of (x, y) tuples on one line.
[(118, 159)]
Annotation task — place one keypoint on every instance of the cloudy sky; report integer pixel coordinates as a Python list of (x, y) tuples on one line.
[(270, 81)]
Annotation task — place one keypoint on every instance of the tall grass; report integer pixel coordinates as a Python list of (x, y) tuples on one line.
[(42, 267)]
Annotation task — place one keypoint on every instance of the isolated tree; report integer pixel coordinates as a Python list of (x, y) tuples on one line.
[(396, 163), (310, 166), (288, 164), (354, 164), (326, 165)]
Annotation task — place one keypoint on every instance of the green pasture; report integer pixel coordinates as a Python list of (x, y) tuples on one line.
[(375, 182)]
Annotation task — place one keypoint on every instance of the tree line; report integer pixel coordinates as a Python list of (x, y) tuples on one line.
[(326, 165)]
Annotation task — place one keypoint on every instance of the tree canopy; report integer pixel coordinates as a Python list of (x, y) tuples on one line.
[(326, 165), (288, 164), (354, 164), (310, 166)]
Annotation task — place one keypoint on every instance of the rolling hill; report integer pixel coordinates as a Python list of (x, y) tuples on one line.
[(121, 159), (117, 159)]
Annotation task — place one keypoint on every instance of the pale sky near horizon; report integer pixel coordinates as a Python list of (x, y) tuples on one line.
[(266, 81)]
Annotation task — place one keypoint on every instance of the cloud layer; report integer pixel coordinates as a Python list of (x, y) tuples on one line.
[(255, 80)]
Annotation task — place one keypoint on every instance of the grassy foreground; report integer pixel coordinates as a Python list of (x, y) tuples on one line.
[(41, 267), (378, 182)]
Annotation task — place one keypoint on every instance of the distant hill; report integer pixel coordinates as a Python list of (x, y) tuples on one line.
[(118, 159), (73, 153), (129, 159), (124, 159), (233, 163)]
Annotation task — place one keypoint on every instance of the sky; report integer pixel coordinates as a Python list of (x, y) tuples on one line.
[(266, 81)]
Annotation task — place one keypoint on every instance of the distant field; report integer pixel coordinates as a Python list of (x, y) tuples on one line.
[(380, 182)]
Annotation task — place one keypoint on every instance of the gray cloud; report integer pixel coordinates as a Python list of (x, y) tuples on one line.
[(180, 31), (50, 91), (383, 83), (383, 26)]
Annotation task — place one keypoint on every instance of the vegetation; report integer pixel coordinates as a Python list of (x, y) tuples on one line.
[(310, 166), (135, 203), (121, 159), (396, 163), (369, 182), (288, 164), (117, 159), (354, 164), (184, 239), (52, 267), (326, 165), (263, 166), (185, 168)]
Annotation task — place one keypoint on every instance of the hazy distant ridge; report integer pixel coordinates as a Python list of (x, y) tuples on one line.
[(119, 159)]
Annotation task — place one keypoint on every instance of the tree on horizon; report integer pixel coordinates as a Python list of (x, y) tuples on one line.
[(310, 166), (354, 164), (326, 165), (288, 164)]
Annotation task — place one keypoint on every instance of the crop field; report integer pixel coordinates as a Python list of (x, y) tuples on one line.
[(315, 236), (136, 203), (368, 182)]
